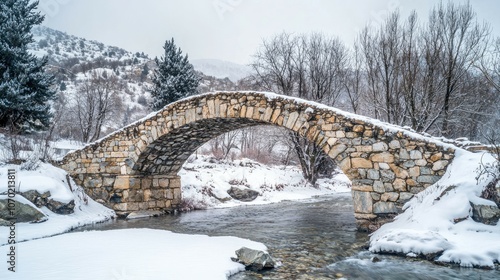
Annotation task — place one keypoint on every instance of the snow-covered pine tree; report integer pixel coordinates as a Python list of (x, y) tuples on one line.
[(174, 78), (25, 87)]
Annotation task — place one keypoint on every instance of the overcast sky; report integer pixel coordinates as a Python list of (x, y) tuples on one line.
[(229, 30)]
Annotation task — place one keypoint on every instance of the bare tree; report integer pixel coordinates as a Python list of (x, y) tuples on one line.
[(95, 101), (353, 79), (311, 67), (490, 65), (463, 41), (382, 52)]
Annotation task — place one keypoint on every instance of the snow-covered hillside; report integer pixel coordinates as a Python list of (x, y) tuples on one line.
[(221, 69), (59, 46)]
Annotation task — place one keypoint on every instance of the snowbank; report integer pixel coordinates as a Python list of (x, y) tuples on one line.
[(53, 179), (128, 254), (205, 182), (438, 221)]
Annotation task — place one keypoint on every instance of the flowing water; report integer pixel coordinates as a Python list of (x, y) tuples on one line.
[(313, 239)]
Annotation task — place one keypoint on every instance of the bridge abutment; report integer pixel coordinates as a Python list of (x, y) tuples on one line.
[(127, 193)]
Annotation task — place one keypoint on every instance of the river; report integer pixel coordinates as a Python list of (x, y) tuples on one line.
[(313, 239)]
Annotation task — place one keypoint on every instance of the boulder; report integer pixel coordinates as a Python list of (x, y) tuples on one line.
[(244, 195), (60, 207), (486, 214), (24, 212), (43, 199), (254, 259)]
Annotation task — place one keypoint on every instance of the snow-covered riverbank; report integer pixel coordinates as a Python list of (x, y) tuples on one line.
[(438, 222), (143, 253), (435, 221), (206, 182), (128, 254)]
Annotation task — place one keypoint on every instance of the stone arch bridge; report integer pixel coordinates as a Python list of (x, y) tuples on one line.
[(136, 167)]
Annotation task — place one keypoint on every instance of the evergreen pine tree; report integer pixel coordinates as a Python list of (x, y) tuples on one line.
[(175, 77), (25, 88)]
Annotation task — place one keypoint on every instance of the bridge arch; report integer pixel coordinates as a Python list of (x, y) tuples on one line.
[(136, 167)]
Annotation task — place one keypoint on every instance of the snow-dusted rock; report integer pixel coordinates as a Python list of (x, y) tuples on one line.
[(24, 212), (243, 194), (254, 259), (486, 214), (44, 199)]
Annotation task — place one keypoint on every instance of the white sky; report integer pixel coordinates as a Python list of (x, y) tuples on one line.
[(229, 30)]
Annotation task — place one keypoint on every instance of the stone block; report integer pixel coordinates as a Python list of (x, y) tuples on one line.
[(169, 194), (384, 208), (382, 157), (108, 181), (439, 165), (122, 182), (416, 190), (387, 176), (146, 183), (399, 185), (147, 195), (332, 141), (378, 186), (373, 174), (403, 154), (359, 216), (421, 162), (163, 182), (414, 172), (134, 182), (363, 202), (345, 164), (389, 196), (415, 154), (175, 183), (400, 172), (361, 163), (120, 207), (380, 147), (336, 150), (358, 128), (436, 156), (383, 165), (405, 196), (409, 164), (428, 179), (394, 144), (411, 182), (361, 187), (425, 171), (364, 149)]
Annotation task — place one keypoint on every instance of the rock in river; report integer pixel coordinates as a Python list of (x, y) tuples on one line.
[(254, 259)]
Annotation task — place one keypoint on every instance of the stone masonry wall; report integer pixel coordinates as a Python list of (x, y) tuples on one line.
[(386, 164)]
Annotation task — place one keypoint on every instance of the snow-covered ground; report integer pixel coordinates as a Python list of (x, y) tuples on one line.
[(128, 254), (439, 220), (142, 253), (206, 181), (53, 179)]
